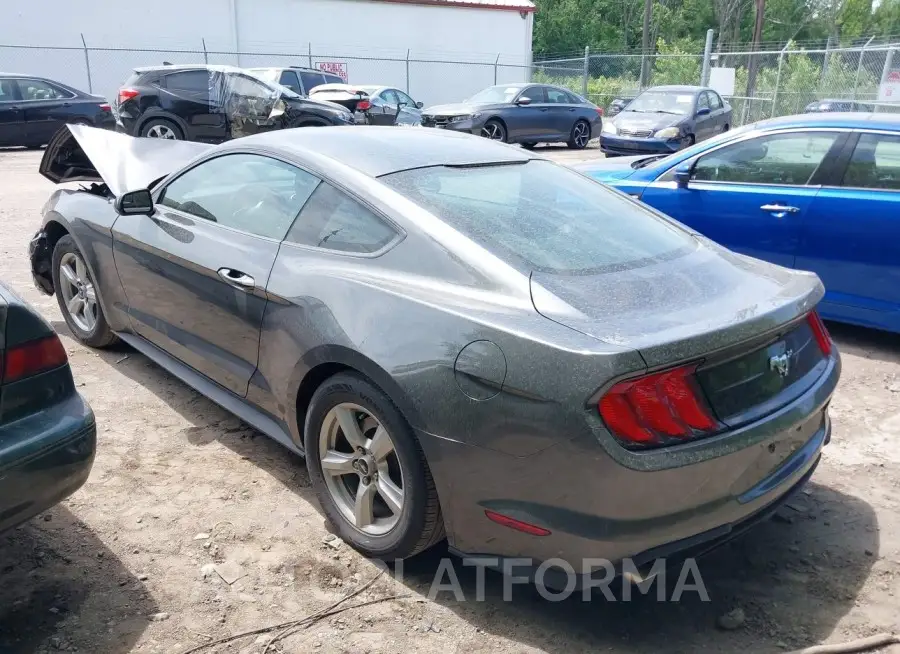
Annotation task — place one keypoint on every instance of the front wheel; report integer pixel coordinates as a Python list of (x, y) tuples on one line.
[(581, 134), (369, 471), (77, 296), (494, 130)]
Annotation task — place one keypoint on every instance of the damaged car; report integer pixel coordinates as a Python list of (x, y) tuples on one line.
[(213, 104), (465, 340), (372, 105)]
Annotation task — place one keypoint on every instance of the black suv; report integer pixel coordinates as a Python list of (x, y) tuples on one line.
[(214, 104), (299, 80)]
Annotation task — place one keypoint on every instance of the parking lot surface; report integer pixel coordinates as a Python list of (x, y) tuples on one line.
[(194, 527)]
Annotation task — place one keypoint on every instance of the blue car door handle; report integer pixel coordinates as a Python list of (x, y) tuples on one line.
[(779, 210)]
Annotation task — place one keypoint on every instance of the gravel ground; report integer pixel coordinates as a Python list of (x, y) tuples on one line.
[(182, 495)]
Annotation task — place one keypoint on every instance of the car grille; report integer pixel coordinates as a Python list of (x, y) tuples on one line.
[(435, 121), (642, 133)]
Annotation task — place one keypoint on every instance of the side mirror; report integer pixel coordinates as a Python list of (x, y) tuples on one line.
[(419, 105), (683, 175), (135, 203), (523, 101), (703, 111)]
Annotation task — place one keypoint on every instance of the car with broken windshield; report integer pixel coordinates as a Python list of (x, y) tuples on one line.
[(435, 322)]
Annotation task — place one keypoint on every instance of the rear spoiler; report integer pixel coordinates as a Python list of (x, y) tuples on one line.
[(78, 153)]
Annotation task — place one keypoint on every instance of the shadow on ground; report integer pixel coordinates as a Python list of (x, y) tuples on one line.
[(793, 577), (62, 587)]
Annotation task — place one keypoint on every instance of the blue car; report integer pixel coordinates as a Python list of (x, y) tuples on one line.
[(48, 436), (817, 192)]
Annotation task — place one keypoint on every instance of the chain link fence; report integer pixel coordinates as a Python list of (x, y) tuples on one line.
[(767, 83)]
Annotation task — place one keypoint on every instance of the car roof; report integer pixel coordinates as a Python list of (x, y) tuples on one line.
[(303, 68), (376, 151), (679, 88), (855, 119)]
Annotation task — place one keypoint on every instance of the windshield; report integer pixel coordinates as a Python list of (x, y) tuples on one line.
[(544, 215), (495, 94), (666, 102)]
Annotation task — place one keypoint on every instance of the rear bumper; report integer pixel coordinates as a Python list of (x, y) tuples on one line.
[(44, 458), (629, 146)]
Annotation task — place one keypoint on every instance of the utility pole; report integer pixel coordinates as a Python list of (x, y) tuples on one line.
[(754, 46), (645, 44)]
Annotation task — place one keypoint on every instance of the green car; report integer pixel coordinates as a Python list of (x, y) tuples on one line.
[(48, 436)]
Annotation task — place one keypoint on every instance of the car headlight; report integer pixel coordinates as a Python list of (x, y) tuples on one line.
[(609, 128), (459, 119), (668, 133)]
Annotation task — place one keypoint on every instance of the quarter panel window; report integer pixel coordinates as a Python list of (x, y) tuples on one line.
[(787, 159), (192, 80), (334, 221), (249, 192), (875, 163)]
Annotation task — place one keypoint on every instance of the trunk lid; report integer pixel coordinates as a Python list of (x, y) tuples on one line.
[(732, 313), (124, 163)]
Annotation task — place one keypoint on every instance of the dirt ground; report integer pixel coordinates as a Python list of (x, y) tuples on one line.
[(179, 486)]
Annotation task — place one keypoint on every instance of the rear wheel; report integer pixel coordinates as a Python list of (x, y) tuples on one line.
[(580, 136), (161, 128), (77, 296), (494, 130), (368, 470)]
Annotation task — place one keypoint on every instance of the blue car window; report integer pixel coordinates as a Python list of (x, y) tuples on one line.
[(785, 159), (875, 163)]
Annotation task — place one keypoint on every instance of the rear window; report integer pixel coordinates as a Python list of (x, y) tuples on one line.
[(547, 216)]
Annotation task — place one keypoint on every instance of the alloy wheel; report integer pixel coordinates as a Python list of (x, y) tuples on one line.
[(581, 134), (161, 132), (361, 469), (492, 131), (78, 291)]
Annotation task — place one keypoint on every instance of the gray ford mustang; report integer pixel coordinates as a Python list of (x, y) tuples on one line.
[(463, 339)]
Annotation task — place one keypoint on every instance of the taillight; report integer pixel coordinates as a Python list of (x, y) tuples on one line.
[(33, 358), (823, 338), (599, 111), (363, 105), (127, 94), (651, 409), (105, 107)]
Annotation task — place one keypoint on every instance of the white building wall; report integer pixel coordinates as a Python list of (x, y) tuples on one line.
[(453, 50)]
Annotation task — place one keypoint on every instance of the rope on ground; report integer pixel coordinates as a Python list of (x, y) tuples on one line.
[(862, 645), (307, 621)]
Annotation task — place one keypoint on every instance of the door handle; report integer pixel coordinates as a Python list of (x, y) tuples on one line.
[(237, 278), (546, 109), (572, 109), (779, 210)]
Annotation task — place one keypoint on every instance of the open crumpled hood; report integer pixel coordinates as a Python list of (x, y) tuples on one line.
[(77, 153)]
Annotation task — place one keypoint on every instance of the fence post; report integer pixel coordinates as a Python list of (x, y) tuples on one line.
[(310, 55), (407, 71), (859, 66), (496, 63), (586, 72), (87, 65), (707, 55), (885, 72), (205, 53), (778, 80)]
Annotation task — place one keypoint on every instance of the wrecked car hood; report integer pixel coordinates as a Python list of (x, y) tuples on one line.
[(124, 163)]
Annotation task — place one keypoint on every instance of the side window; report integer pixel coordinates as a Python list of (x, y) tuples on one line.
[(703, 102), (406, 99), (35, 89), (715, 102), (790, 159), (576, 99), (310, 80), (390, 97), (192, 80), (248, 87), (289, 79), (332, 79), (875, 163), (334, 221), (556, 96), (249, 192), (8, 90)]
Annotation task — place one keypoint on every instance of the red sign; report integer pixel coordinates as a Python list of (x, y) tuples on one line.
[(338, 68)]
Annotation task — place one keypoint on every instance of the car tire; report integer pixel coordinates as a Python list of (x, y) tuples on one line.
[(689, 140), (162, 128), (376, 530), (85, 319), (494, 130), (580, 135), (529, 145), (725, 129)]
